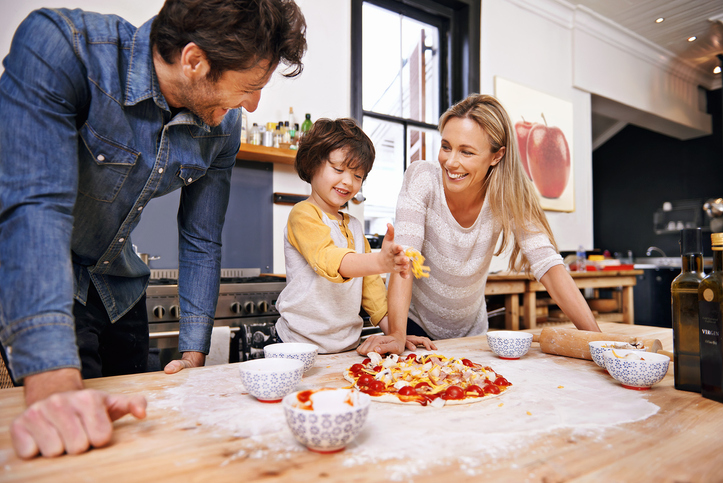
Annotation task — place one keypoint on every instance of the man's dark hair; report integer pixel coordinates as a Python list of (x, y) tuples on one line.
[(234, 34), (327, 136)]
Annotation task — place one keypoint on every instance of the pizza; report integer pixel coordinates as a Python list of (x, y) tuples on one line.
[(430, 379)]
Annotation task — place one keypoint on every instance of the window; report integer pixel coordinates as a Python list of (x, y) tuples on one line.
[(411, 60)]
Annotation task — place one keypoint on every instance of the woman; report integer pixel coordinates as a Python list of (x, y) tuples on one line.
[(454, 212)]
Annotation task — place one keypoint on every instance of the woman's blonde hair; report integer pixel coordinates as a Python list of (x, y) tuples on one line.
[(511, 194)]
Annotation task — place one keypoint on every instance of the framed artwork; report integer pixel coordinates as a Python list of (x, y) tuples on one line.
[(543, 127)]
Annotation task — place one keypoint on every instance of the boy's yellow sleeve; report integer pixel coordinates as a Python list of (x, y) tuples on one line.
[(374, 294), (312, 238)]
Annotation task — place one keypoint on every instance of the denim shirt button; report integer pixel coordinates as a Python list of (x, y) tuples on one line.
[(190, 179), (100, 157), (121, 240), (140, 208), (106, 262), (160, 170)]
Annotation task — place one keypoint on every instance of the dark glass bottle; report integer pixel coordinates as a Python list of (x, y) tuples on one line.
[(306, 125), (684, 303), (710, 308)]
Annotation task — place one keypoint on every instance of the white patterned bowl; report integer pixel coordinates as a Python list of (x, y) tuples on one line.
[(636, 374), (509, 344), (293, 350), (330, 428), (269, 380), (600, 347)]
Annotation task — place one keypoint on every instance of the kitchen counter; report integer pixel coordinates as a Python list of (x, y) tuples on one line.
[(563, 420)]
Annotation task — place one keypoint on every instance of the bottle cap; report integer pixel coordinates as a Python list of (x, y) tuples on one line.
[(691, 241), (717, 239)]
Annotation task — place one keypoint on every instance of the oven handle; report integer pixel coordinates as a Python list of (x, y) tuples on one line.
[(175, 333)]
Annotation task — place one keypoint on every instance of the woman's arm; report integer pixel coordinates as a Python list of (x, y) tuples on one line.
[(563, 290), (399, 297)]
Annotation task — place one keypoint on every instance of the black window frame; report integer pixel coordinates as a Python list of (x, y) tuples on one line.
[(461, 49)]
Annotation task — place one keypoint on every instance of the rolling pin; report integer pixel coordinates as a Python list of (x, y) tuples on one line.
[(574, 342)]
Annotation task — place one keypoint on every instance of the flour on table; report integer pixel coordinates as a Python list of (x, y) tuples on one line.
[(549, 395)]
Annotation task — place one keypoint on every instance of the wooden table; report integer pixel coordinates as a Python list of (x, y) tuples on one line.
[(512, 285), (679, 441)]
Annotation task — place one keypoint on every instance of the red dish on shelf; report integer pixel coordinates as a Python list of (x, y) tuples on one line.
[(619, 267)]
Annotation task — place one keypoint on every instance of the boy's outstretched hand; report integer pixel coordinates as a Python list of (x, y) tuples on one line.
[(393, 254)]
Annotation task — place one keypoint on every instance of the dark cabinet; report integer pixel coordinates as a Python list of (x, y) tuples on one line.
[(652, 296)]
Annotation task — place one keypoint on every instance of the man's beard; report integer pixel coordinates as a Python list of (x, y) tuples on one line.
[(189, 97)]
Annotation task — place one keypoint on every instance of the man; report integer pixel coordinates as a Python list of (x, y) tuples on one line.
[(98, 118)]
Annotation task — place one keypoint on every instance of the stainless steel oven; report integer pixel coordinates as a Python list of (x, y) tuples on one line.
[(246, 304)]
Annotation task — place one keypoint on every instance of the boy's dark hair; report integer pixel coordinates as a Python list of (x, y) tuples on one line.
[(234, 34), (328, 135)]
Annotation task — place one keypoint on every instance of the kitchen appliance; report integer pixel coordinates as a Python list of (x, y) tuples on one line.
[(714, 209), (246, 304)]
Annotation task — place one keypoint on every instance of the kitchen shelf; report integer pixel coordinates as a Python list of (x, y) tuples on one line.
[(252, 152)]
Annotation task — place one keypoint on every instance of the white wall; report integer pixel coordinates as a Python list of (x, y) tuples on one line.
[(322, 90), (523, 46)]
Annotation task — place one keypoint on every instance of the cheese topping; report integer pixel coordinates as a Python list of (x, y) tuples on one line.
[(417, 260)]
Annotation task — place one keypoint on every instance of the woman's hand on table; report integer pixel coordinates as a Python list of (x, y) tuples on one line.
[(64, 418), (188, 360), (414, 341)]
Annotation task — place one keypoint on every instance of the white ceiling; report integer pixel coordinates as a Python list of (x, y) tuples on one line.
[(683, 19)]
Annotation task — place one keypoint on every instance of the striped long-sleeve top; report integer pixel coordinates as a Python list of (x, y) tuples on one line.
[(451, 303)]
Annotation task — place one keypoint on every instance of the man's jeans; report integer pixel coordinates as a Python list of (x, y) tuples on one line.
[(111, 349)]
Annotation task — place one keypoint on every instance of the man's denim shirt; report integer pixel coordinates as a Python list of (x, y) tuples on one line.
[(86, 141)]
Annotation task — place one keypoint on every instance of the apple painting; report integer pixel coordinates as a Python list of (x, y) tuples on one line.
[(548, 158), (522, 130)]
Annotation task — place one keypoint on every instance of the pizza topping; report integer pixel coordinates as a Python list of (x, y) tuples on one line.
[(453, 392), (417, 261), (407, 391), (426, 379), (375, 358)]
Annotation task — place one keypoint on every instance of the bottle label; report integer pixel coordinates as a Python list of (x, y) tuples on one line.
[(711, 350), (708, 295)]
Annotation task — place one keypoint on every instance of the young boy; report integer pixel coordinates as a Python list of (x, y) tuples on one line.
[(330, 270)]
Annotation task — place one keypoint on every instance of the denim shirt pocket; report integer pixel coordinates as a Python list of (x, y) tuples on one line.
[(105, 165), (189, 174)]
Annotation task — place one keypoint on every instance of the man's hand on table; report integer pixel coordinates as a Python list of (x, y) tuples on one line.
[(188, 360), (62, 417), (387, 344)]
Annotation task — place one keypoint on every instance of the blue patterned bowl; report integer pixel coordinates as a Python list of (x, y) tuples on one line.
[(509, 344), (269, 380), (330, 428), (636, 374), (600, 347), (293, 350)]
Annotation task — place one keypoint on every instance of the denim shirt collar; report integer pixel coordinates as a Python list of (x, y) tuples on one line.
[(142, 82)]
